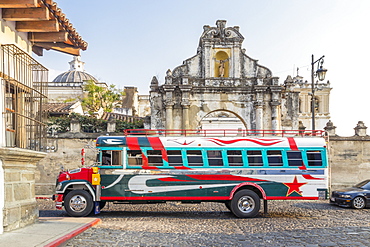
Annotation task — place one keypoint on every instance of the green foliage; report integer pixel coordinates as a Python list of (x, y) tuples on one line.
[(100, 97), (59, 124), (122, 125), (88, 124)]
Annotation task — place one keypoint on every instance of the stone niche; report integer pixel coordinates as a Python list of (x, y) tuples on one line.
[(19, 166)]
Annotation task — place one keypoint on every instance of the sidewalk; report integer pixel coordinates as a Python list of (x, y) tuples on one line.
[(48, 231)]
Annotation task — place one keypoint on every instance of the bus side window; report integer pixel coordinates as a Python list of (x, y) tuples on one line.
[(155, 157), (294, 158), (235, 157), (215, 158), (111, 158), (117, 158), (106, 158), (194, 157), (314, 158), (254, 158), (174, 158), (134, 157), (274, 158)]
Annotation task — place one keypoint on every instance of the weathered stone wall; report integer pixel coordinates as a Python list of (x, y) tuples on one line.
[(66, 155), (20, 208), (349, 159)]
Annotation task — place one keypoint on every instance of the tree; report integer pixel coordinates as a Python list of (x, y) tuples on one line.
[(99, 97)]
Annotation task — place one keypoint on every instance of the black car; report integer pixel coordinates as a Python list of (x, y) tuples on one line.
[(356, 197)]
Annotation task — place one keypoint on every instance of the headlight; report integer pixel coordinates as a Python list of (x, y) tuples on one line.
[(345, 196), (59, 186)]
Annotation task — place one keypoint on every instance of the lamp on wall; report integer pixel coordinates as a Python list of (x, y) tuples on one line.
[(320, 73)]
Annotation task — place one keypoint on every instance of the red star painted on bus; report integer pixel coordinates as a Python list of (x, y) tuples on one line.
[(294, 186)]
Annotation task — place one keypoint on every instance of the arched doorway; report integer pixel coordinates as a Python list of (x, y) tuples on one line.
[(222, 119)]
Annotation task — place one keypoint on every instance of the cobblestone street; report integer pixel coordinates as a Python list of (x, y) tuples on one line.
[(289, 223)]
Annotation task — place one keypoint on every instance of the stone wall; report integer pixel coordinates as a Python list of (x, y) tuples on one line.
[(19, 166), (349, 157), (66, 155), (349, 160)]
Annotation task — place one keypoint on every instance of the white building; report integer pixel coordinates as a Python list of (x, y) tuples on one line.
[(68, 86), (26, 26)]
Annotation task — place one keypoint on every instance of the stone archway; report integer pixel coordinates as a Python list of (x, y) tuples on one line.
[(222, 119)]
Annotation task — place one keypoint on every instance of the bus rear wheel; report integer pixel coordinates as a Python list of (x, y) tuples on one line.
[(227, 204), (245, 204), (78, 203)]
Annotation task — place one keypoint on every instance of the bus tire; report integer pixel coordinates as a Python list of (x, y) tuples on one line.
[(227, 204), (78, 203), (102, 204), (245, 204)]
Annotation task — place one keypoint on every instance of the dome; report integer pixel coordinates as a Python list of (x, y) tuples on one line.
[(74, 76), (76, 73)]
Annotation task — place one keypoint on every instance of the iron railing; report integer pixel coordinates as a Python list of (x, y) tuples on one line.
[(224, 132), (25, 82)]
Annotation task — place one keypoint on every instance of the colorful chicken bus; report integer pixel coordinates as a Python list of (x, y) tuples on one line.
[(238, 171)]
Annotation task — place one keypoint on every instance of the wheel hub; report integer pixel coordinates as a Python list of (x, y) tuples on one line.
[(246, 204), (358, 202), (78, 203)]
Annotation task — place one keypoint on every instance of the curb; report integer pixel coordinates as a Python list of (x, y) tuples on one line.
[(72, 234)]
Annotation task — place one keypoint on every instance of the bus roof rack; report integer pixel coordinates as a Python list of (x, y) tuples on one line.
[(224, 132)]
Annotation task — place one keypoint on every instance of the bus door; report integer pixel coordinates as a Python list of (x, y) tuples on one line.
[(111, 162)]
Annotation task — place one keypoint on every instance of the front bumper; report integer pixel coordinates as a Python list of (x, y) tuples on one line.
[(58, 198), (346, 202)]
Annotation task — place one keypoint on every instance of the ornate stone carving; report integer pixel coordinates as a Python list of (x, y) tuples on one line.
[(244, 87)]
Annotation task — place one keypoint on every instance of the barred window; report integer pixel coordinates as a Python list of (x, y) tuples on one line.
[(25, 83)]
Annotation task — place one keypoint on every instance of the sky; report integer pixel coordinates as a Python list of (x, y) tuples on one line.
[(129, 42)]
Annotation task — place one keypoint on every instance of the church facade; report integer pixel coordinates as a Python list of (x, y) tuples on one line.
[(222, 87)]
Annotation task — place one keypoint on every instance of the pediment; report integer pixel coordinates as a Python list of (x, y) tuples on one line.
[(221, 32)]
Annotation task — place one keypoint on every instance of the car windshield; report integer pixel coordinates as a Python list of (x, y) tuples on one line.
[(364, 184)]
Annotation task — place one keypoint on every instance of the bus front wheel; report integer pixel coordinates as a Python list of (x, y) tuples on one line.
[(245, 204), (78, 203)]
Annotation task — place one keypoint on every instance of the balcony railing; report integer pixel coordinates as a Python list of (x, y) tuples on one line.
[(25, 83)]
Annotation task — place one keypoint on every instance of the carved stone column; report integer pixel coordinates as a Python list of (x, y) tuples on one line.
[(274, 114), (169, 104), (275, 103), (185, 89), (169, 108), (259, 114), (260, 90), (185, 113)]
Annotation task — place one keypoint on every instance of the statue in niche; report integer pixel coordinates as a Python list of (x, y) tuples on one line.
[(221, 67)]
